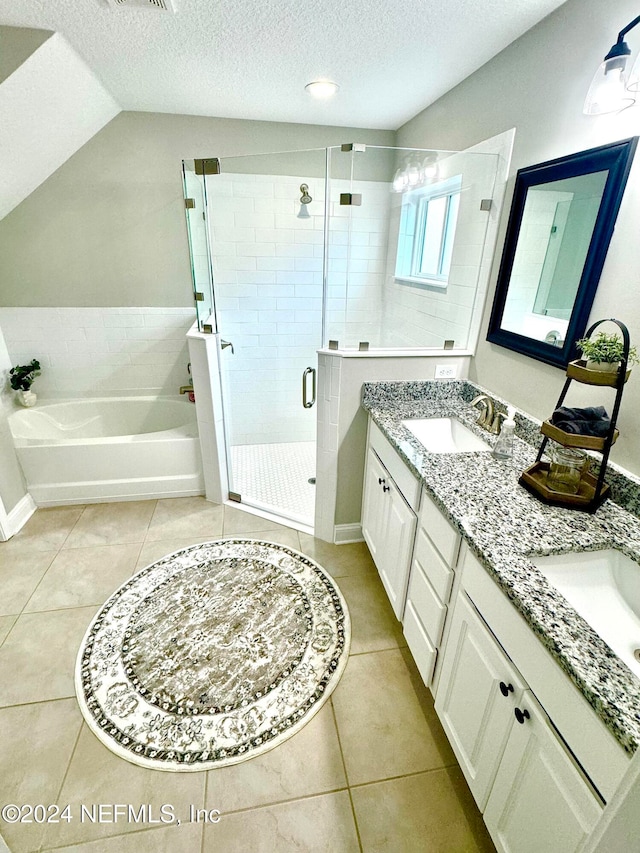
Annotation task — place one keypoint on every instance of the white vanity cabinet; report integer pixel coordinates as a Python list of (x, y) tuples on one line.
[(478, 691), (539, 799), (430, 585), (536, 757), (390, 499)]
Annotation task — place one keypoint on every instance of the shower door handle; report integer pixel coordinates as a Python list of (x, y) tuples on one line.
[(305, 375)]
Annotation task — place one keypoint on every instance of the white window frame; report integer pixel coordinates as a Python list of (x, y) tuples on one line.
[(411, 234)]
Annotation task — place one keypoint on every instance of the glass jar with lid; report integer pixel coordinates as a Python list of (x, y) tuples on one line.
[(566, 469)]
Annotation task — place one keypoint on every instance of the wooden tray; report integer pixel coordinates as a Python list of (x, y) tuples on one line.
[(534, 479), (570, 439), (578, 370)]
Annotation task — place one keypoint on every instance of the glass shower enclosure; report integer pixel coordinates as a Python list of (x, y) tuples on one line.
[(295, 251)]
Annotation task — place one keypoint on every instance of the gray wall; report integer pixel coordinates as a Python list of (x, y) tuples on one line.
[(16, 45), (108, 228), (538, 85)]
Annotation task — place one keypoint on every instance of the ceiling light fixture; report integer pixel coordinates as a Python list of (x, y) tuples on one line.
[(322, 88), (612, 88)]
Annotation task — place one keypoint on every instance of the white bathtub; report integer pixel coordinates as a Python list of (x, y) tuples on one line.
[(108, 449)]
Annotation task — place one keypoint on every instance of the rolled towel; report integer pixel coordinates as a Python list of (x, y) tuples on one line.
[(591, 420)]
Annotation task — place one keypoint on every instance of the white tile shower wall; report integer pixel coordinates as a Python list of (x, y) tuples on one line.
[(422, 316), (357, 256), (268, 266), (268, 291), (101, 351)]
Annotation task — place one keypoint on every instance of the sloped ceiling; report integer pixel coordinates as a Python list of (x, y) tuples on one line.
[(51, 104)]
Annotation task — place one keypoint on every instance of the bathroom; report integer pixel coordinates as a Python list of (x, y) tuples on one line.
[(118, 259)]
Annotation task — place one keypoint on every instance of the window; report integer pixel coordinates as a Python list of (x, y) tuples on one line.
[(427, 231)]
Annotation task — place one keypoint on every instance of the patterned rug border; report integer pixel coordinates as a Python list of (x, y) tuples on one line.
[(288, 731)]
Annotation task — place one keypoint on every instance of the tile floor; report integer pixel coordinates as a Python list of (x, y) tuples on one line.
[(372, 771)]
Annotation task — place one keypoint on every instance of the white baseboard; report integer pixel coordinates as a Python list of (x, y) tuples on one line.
[(344, 533), (21, 513)]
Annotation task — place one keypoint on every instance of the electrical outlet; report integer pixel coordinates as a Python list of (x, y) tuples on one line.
[(446, 371)]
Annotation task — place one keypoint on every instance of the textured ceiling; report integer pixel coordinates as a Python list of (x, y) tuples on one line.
[(252, 58)]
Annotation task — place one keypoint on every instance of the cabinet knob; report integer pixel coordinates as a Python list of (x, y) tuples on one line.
[(521, 716), (386, 488), (381, 480), (505, 689)]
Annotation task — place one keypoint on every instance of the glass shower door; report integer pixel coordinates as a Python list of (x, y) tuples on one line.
[(195, 202), (266, 223)]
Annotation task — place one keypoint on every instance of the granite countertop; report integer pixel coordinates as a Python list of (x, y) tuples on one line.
[(504, 525)]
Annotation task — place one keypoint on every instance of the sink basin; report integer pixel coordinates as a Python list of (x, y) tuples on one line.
[(445, 435), (604, 587)]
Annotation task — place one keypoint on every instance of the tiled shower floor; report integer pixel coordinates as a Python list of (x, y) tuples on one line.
[(372, 771), (275, 477)]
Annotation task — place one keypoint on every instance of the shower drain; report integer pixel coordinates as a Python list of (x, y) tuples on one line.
[(636, 654)]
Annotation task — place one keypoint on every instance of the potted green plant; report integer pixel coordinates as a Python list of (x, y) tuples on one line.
[(21, 379), (605, 352)]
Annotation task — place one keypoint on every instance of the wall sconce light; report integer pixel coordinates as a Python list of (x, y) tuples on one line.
[(613, 88), (415, 172)]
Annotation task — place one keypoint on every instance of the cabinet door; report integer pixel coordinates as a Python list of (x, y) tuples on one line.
[(398, 546), (539, 800), (470, 699), (373, 506)]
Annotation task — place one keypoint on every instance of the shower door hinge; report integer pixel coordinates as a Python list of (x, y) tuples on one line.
[(208, 167), (486, 204), (235, 496), (189, 203), (353, 146), (354, 199), (199, 296), (207, 328)]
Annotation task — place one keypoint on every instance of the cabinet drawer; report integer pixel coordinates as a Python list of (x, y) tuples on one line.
[(408, 485), (439, 574), (426, 604), (442, 534), (419, 644)]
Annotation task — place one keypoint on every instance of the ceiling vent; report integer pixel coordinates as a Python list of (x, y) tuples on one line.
[(158, 5)]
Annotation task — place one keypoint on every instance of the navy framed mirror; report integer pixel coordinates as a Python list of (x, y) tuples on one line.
[(561, 221)]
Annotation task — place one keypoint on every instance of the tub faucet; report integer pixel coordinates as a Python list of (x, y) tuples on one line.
[(186, 389), (485, 419)]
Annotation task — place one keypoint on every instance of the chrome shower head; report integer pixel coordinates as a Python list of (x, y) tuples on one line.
[(305, 198)]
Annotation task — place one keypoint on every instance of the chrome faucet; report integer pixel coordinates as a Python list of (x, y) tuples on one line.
[(486, 417)]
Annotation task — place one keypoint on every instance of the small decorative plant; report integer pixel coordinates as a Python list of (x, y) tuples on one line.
[(22, 376), (606, 350)]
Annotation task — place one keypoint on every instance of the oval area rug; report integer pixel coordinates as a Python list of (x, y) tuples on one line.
[(212, 655)]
